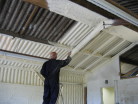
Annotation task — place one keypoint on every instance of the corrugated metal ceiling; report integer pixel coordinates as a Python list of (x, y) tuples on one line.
[(29, 47), (45, 25), (103, 47), (131, 5), (131, 56), (21, 19), (99, 50)]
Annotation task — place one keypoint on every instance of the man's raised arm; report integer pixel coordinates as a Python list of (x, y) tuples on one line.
[(66, 61)]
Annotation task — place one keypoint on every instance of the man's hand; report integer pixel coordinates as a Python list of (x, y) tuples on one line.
[(69, 53)]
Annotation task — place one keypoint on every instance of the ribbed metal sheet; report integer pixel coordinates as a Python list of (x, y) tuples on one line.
[(29, 47), (99, 40), (98, 63), (72, 90), (76, 34), (132, 54), (72, 94), (76, 60), (25, 20), (100, 49), (18, 75), (108, 47), (105, 44), (132, 5), (119, 48), (88, 62)]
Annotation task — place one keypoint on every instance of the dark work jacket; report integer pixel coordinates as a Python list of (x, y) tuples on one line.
[(50, 69)]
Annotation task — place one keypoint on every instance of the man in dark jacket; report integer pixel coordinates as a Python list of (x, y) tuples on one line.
[(50, 71)]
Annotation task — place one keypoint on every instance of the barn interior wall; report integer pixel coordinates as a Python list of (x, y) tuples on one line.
[(25, 87), (126, 90)]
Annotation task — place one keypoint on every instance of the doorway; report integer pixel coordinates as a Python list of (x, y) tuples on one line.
[(108, 95)]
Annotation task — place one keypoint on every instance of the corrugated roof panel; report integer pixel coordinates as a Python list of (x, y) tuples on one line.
[(30, 47), (25, 20), (76, 34), (98, 41), (111, 45), (46, 25), (88, 62), (77, 60), (120, 48), (15, 43), (131, 5), (98, 64)]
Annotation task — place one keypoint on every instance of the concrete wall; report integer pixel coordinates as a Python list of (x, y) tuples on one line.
[(126, 91)]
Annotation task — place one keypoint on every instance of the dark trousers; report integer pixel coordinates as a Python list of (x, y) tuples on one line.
[(51, 91)]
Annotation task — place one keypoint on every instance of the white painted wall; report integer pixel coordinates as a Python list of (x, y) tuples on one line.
[(21, 86), (126, 90), (20, 94), (27, 94)]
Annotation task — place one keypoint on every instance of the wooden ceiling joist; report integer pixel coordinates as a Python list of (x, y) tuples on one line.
[(24, 54), (23, 36), (122, 8), (41, 3), (105, 13), (29, 19), (95, 8)]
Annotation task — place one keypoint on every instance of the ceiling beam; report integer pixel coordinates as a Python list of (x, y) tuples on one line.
[(74, 11), (96, 51), (87, 39), (14, 67), (102, 8), (123, 32), (7, 32), (115, 10), (122, 8), (114, 57), (40, 3), (88, 53), (92, 64), (61, 46), (31, 57), (21, 54), (29, 19), (95, 8)]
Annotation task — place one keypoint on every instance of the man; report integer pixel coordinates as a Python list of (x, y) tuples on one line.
[(50, 71)]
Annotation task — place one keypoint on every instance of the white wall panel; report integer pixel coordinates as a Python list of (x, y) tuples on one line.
[(26, 87), (20, 94), (126, 90), (18, 76)]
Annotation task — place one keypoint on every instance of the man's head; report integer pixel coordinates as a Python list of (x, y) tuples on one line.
[(53, 55)]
